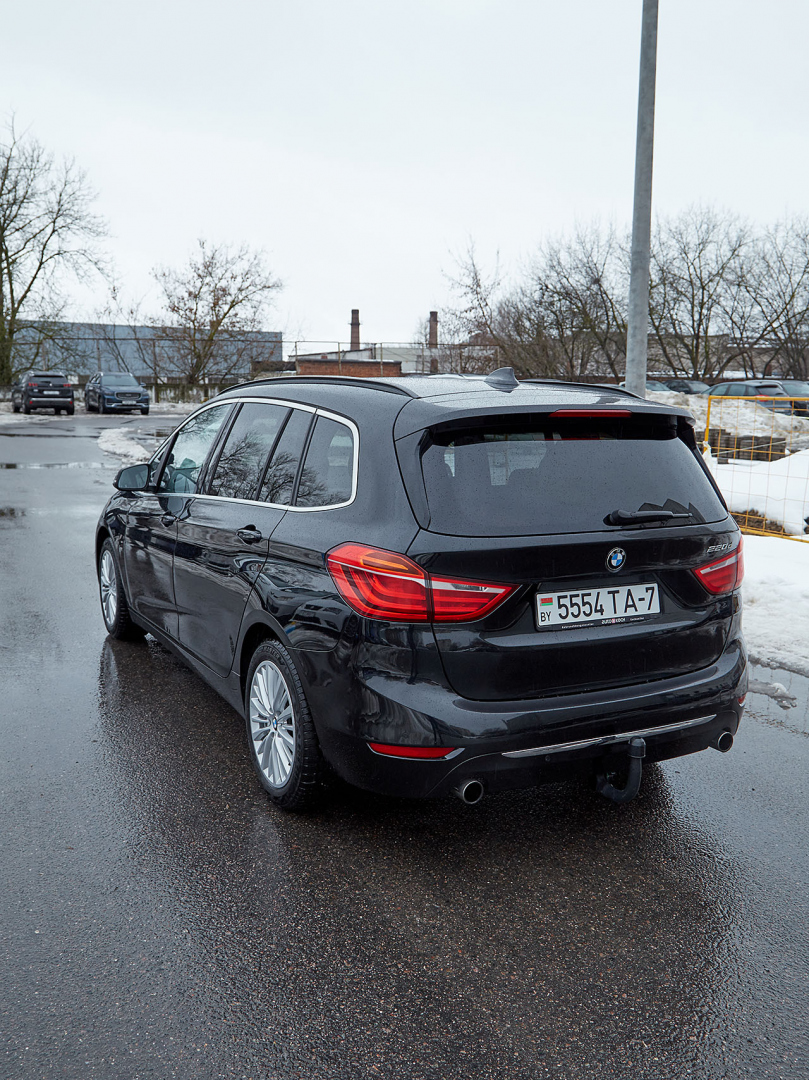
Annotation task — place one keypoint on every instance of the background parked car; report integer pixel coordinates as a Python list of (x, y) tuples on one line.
[(116, 391), (763, 390), (686, 386), (797, 388), (43, 390)]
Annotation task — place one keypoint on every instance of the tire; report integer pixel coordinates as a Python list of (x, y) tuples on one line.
[(114, 605), (280, 733), (70, 410), (26, 409), (15, 405), (102, 408), (144, 412)]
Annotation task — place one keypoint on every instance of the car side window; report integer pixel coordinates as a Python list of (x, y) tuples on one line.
[(189, 450), (241, 463), (328, 469), (279, 480)]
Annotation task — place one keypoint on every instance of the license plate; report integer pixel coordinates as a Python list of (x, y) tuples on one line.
[(54, 392), (603, 607)]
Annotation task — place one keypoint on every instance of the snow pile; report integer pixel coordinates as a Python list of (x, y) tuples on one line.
[(115, 441), (734, 416), (778, 490), (776, 602)]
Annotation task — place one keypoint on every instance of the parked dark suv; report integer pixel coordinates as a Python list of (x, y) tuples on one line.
[(438, 584), (115, 392), (43, 390)]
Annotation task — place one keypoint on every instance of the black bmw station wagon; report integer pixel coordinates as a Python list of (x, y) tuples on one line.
[(438, 584)]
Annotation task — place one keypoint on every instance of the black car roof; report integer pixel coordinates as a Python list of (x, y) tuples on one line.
[(430, 399)]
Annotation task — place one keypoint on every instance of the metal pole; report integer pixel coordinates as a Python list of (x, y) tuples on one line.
[(637, 331)]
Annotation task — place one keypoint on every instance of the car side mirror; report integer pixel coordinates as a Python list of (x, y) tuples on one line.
[(133, 478)]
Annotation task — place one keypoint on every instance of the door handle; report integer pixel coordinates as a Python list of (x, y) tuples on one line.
[(168, 520), (251, 535)]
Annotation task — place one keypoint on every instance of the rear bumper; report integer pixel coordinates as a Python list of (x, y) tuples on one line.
[(48, 402), (523, 743)]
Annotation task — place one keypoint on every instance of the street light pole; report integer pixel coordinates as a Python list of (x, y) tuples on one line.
[(637, 331)]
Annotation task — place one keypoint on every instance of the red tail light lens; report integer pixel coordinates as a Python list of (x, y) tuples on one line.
[(385, 585), (725, 574), (462, 601), (380, 584), (31, 385)]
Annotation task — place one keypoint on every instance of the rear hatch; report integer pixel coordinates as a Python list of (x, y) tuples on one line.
[(51, 384), (598, 519)]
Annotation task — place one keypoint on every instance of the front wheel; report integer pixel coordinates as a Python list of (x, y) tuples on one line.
[(144, 412), (280, 732), (114, 605)]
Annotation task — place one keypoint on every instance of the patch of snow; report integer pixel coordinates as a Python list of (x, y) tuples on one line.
[(734, 416), (779, 490), (776, 602), (115, 441)]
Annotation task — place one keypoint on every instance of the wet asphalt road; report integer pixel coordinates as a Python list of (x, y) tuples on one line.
[(160, 919)]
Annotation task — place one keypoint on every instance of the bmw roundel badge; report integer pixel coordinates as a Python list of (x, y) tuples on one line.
[(616, 559)]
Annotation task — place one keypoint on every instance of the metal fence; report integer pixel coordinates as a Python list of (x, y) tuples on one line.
[(758, 450)]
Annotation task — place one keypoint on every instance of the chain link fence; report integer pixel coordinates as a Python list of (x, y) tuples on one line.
[(758, 450)]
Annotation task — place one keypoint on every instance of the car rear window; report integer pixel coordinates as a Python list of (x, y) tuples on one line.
[(540, 475)]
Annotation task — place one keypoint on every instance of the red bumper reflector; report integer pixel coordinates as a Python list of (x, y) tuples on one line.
[(412, 751)]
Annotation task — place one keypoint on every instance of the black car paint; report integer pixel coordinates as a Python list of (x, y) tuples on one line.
[(368, 680)]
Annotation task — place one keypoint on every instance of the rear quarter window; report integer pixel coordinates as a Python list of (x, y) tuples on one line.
[(540, 476)]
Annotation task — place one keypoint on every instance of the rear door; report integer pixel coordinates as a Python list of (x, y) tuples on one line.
[(224, 532), (529, 502)]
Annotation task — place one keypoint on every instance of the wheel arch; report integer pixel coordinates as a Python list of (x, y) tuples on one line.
[(255, 634)]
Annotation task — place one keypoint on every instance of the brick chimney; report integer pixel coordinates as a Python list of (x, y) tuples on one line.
[(432, 339), (355, 329)]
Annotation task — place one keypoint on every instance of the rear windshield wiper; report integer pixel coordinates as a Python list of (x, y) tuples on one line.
[(642, 517)]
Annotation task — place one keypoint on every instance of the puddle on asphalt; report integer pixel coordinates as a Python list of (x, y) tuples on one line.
[(57, 465), (780, 697), (11, 512)]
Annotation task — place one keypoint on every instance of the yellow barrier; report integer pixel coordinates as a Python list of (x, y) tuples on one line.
[(760, 457)]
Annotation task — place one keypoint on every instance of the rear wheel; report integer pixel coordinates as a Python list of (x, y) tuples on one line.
[(70, 410), (26, 408), (114, 605), (280, 732)]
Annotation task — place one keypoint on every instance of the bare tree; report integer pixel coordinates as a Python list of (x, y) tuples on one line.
[(47, 230), (696, 274), (215, 305), (778, 292)]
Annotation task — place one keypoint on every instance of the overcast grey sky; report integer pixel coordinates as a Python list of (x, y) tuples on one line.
[(361, 143)]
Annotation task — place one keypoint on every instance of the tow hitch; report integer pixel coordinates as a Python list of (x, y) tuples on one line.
[(637, 752)]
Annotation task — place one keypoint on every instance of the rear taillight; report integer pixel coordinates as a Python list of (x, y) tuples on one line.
[(385, 585), (725, 574), (31, 385)]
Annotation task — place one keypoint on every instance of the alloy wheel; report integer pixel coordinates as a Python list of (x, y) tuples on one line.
[(272, 724), (108, 581)]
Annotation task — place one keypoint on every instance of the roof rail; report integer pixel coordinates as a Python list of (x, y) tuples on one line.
[(329, 380)]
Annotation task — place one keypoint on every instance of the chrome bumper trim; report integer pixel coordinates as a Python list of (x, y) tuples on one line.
[(609, 740)]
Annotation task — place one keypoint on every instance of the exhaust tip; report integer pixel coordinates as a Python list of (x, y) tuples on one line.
[(470, 792), (723, 742)]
